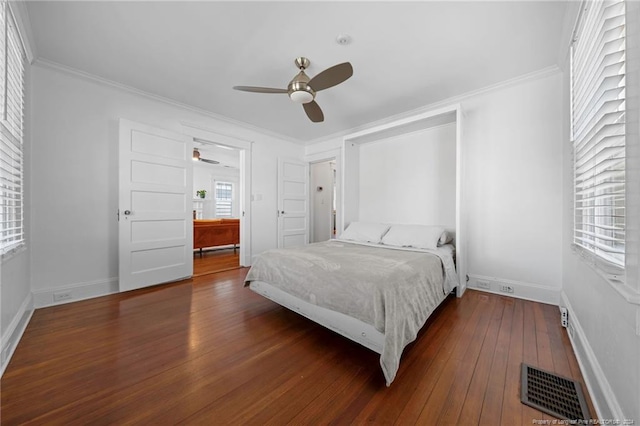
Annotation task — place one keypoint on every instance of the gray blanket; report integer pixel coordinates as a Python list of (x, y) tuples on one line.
[(393, 290)]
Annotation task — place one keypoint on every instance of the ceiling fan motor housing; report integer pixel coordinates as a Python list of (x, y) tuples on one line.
[(299, 90)]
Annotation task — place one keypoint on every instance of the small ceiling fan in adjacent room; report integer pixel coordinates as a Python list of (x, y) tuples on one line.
[(196, 157), (302, 89)]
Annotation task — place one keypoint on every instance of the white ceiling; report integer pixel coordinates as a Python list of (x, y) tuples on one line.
[(405, 55)]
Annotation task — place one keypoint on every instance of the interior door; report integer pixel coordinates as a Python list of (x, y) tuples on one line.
[(155, 206), (293, 203)]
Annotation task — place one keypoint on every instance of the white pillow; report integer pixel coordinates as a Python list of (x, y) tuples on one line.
[(418, 236), (365, 232), (445, 238)]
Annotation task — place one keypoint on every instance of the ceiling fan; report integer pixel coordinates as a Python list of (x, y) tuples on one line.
[(196, 157), (302, 89)]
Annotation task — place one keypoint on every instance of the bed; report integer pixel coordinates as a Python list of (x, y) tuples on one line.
[(376, 287)]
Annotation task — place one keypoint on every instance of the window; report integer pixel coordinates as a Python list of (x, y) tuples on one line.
[(598, 134), (12, 82), (224, 199)]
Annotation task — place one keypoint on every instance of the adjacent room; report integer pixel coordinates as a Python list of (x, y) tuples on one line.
[(216, 208), (316, 212)]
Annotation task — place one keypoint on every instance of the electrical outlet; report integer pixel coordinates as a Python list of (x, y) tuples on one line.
[(483, 284), (506, 289), (62, 295), (564, 317)]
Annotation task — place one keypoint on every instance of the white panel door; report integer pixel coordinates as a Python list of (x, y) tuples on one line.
[(155, 206), (293, 203)]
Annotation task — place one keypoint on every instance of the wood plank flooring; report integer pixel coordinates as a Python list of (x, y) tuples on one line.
[(215, 260), (210, 351)]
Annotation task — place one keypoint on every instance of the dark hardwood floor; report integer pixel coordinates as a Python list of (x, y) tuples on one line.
[(210, 351)]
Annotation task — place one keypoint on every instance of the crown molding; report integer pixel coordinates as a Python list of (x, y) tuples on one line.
[(542, 73), (545, 72), (45, 63), (21, 17), (570, 21)]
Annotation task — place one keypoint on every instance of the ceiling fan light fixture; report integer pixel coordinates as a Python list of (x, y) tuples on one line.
[(302, 89), (301, 96)]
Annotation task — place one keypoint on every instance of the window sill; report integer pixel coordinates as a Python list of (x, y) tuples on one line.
[(5, 257), (628, 293)]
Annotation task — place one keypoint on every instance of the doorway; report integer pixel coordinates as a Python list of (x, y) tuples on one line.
[(216, 207), (323, 200), (156, 201)]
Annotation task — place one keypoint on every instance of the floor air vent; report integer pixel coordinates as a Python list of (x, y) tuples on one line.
[(553, 394)]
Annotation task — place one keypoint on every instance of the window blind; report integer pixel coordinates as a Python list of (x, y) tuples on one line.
[(224, 194), (598, 130), (12, 76)]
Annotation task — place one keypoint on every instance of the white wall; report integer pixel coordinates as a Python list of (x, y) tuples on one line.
[(410, 178), (512, 140), (607, 326), (75, 177), (350, 185), (17, 303)]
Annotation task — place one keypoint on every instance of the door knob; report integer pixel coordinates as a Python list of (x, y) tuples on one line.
[(127, 212)]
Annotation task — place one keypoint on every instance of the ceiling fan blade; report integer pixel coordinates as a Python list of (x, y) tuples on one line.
[(331, 76), (206, 160), (313, 112), (259, 89)]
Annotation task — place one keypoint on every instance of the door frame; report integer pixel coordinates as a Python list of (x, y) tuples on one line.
[(330, 155), (245, 147), (312, 189)]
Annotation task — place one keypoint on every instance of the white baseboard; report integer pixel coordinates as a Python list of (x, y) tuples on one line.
[(602, 396), (76, 292), (521, 290), (14, 332), (460, 289)]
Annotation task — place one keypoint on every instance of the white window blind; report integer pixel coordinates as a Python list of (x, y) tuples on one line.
[(224, 199), (12, 77), (598, 132)]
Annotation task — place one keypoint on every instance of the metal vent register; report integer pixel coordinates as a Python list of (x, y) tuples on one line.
[(553, 394)]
